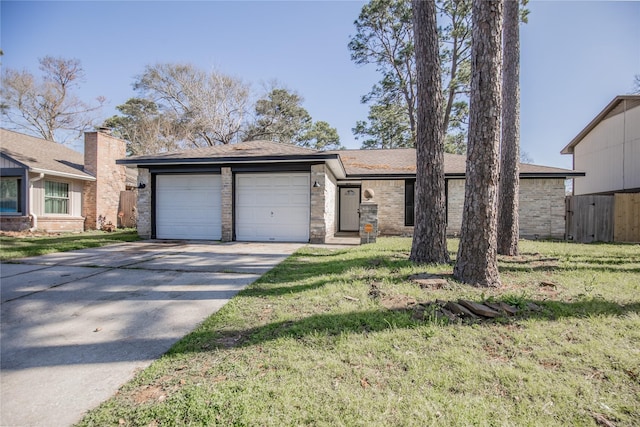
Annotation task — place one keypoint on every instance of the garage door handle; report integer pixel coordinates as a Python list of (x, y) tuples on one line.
[(271, 214)]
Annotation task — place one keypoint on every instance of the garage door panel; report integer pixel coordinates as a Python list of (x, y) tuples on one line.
[(273, 207), (188, 207)]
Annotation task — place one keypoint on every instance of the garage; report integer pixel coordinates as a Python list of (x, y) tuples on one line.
[(188, 207), (272, 207)]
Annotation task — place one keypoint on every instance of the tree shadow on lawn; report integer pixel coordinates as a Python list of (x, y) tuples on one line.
[(371, 321), (305, 267), (300, 269), (529, 262)]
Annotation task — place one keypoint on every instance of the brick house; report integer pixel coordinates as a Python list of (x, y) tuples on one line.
[(47, 186), (265, 191)]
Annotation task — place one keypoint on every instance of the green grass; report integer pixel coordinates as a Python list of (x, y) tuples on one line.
[(311, 343), (20, 247)]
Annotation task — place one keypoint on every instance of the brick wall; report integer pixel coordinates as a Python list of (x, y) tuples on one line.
[(144, 204), (455, 204), (541, 207), (101, 197), (15, 223), (323, 204), (61, 224), (389, 196), (227, 204)]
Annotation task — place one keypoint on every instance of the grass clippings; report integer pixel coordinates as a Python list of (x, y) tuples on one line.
[(292, 349)]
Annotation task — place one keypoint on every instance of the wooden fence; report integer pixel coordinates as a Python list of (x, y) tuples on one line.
[(611, 218), (127, 209), (626, 217)]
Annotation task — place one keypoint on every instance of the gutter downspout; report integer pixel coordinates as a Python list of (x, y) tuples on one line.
[(34, 217)]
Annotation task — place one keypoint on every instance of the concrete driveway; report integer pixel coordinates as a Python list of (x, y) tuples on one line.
[(75, 326)]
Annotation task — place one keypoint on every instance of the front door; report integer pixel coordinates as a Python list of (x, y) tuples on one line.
[(349, 209)]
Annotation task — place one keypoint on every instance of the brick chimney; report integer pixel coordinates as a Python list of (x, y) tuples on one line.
[(102, 196)]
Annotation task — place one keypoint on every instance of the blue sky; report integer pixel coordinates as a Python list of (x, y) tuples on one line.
[(576, 55)]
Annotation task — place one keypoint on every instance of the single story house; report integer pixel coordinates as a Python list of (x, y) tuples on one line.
[(266, 191), (47, 186)]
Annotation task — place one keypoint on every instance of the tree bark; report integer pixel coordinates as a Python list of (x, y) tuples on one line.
[(476, 262), (429, 237), (508, 220)]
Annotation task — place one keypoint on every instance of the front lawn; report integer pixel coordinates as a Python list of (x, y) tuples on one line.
[(23, 245), (342, 338)]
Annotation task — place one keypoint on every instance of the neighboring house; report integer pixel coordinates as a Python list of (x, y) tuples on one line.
[(606, 202), (265, 191), (608, 150), (47, 186)]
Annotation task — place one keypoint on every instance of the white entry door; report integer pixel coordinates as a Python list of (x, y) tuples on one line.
[(273, 207), (349, 209), (188, 207)]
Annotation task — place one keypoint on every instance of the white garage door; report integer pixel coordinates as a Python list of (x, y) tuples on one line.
[(272, 207), (188, 207)]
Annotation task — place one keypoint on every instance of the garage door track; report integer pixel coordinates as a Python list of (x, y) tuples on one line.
[(75, 326)]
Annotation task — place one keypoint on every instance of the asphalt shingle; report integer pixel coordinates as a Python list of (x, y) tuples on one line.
[(42, 155)]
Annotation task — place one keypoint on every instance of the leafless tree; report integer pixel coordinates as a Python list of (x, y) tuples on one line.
[(206, 108), (46, 106)]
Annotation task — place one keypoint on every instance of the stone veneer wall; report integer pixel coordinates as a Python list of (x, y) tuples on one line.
[(389, 196), (144, 204), (102, 196), (323, 204)]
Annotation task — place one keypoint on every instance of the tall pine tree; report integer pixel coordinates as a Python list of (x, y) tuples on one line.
[(476, 262), (429, 236), (508, 221)]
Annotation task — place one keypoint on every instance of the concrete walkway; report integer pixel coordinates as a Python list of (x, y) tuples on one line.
[(75, 326)]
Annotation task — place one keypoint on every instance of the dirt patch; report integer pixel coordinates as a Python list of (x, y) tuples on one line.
[(150, 393), (397, 302), (447, 310), (432, 281)]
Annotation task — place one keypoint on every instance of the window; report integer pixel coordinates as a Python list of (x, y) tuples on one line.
[(10, 202), (56, 197), (409, 205), (409, 186)]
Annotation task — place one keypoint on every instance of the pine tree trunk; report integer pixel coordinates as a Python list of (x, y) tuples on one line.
[(508, 221), (429, 236), (477, 254)]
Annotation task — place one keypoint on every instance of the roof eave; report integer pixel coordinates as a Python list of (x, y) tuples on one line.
[(568, 174), (569, 148), (333, 160), (62, 174)]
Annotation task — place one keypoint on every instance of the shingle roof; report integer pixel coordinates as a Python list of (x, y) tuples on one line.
[(39, 155), (402, 161), (357, 163), (243, 149)]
